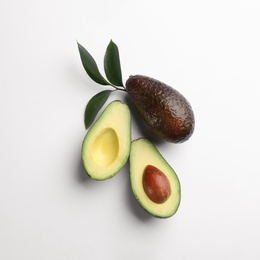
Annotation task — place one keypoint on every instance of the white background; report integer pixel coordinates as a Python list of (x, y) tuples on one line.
[(49, 208)]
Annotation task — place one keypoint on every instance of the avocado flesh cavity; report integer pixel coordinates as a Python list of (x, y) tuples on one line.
[(106, 146), (144, 153), (165, 111)]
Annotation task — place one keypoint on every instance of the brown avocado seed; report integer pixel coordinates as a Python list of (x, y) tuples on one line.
[(156, 184)]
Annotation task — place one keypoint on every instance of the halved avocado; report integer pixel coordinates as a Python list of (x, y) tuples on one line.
[(106, 146), (145, 155)]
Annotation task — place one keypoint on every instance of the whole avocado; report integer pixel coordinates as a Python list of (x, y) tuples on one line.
[(165, 111)]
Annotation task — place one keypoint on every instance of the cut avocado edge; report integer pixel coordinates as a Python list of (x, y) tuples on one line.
[(147, 153), (106, 146)]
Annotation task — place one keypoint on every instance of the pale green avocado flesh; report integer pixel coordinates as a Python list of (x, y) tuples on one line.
[(144, 153), (106, 146)]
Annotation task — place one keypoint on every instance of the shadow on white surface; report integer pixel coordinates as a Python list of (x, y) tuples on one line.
[(133, 204), (134, 207)]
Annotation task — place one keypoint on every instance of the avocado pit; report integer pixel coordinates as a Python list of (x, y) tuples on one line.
[(156, 185)]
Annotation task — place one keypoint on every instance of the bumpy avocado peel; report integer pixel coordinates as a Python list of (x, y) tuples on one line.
[(164, 110)]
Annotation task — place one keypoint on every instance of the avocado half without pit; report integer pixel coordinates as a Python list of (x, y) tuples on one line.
[(154, 183), (106, 146)]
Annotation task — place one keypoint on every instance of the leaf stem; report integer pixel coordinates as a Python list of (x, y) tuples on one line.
[(119, 88), (122, 88)]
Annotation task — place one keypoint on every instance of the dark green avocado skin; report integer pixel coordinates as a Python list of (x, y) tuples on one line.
[(165, 111)]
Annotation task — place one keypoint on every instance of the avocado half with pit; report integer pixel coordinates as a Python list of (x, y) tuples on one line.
[(154, 183), (106, 146)]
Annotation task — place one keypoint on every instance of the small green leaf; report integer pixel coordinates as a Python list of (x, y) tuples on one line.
[(90, 66), (112, 64), (94, 105)]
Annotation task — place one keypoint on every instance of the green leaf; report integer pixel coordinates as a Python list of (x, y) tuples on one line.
[(94, 105), (90, 66), (112, 64)]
